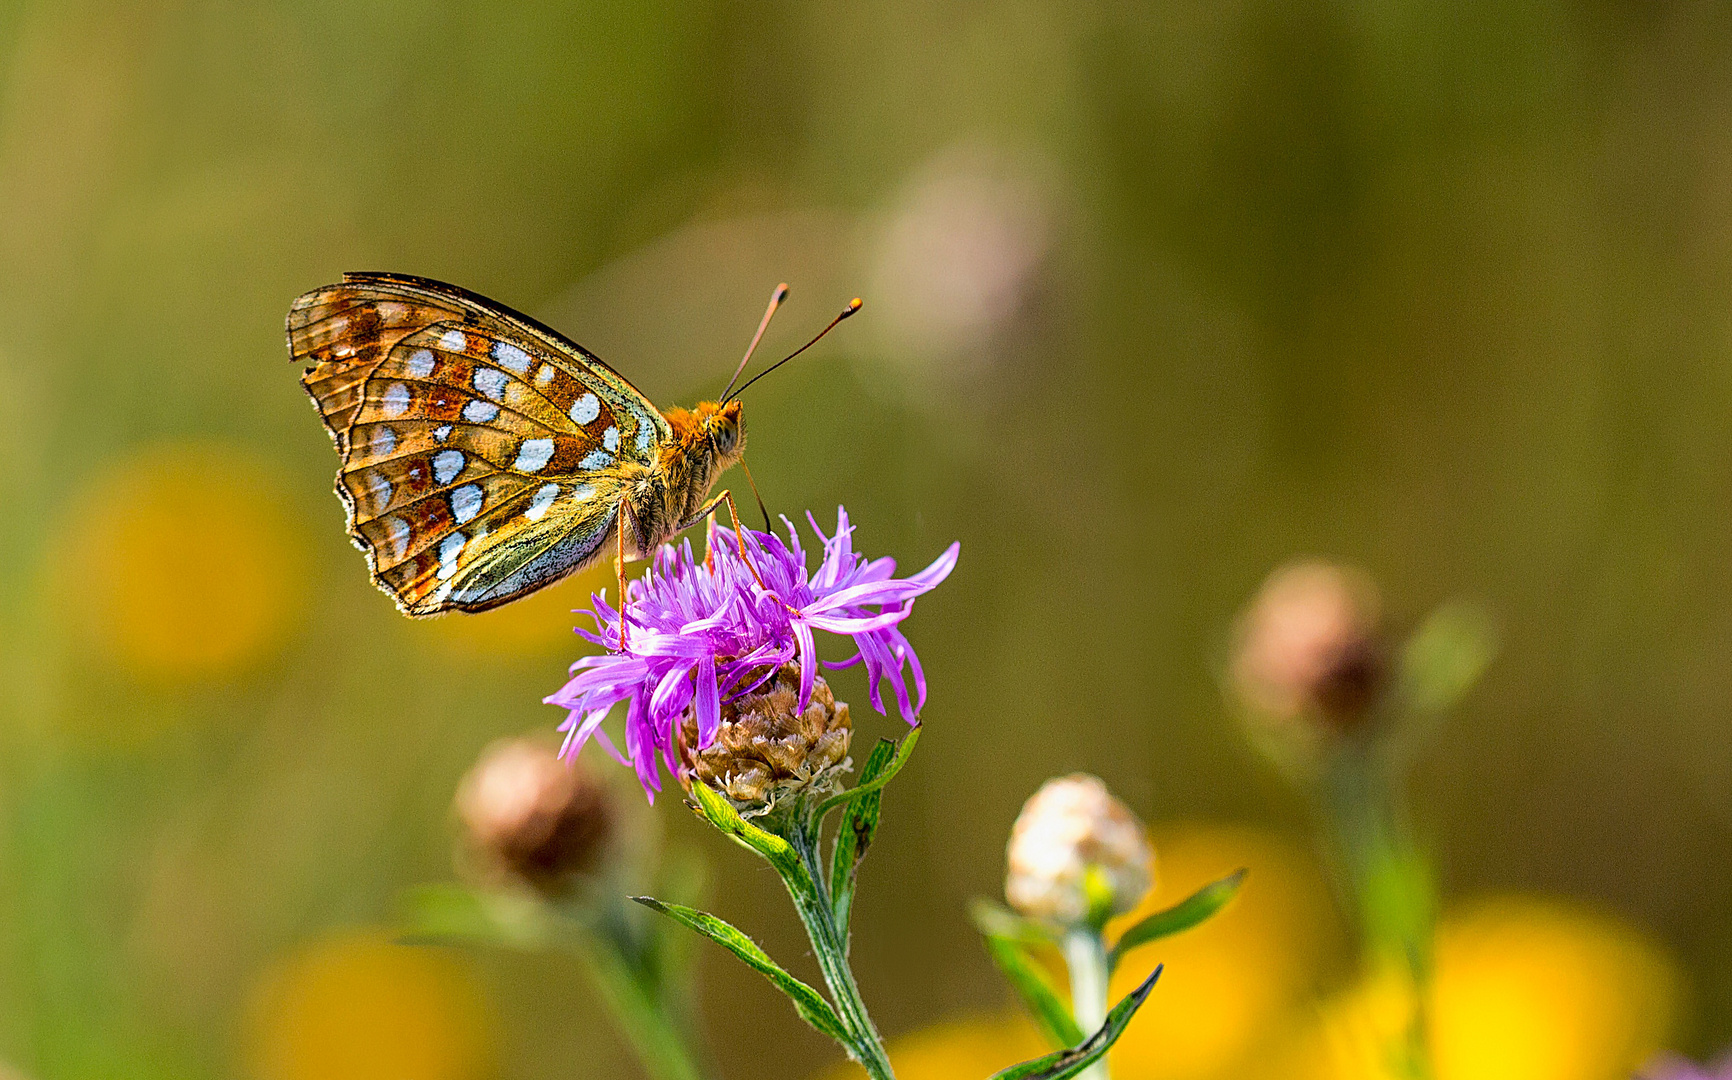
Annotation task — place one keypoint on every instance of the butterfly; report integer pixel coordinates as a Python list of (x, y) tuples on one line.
[(486, 456)]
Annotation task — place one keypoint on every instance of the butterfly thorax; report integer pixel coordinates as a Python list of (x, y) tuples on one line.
[(707, 441)]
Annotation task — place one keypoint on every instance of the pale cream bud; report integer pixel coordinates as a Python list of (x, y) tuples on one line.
[(1067, 829)]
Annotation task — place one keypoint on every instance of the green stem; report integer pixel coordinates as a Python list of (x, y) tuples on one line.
[(812, 901), (1085, 954), (659, 1041), (1389, 885)]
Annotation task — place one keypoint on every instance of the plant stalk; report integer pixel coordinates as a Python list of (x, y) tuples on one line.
[(1085, 954), (659, 1041), (812, 900)]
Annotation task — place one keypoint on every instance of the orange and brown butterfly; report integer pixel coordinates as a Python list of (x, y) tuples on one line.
[(484, 455)]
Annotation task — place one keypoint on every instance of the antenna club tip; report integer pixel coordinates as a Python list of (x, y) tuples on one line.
[(781, 292), (853, 305)]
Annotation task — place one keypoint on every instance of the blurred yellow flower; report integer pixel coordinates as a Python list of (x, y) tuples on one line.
[(958, 1049), (1526, 989), (536, 626), (1234, 983), (181, 562), (357, 1007)]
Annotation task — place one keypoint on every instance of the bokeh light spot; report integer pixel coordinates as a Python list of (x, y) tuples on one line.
[(1230, 983), (181, 562), (1525, 989), (357, 1007)]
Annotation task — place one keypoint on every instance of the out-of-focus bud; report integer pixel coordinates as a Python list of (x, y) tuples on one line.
[(1074, 849), (532, 818), (1310, 644), (767, 749)]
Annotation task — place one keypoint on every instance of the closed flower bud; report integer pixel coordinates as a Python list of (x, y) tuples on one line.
[(767, 748), (1074, 848), (532, 818), (1310, 644)]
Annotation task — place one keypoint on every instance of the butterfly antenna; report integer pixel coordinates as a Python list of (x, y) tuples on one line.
[(762, 509), (776, 299), (853, 306)]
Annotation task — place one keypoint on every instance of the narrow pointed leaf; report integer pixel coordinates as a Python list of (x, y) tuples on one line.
[(867, 787), (1025, 974), (1064, 1064), (454, 914), (723, 816), (854, 835), (810, 1004), (990, 918), (1183, 915)]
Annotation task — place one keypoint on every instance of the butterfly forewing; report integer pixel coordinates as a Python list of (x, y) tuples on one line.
[(482, 453)]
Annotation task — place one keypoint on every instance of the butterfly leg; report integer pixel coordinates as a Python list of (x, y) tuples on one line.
[(619, 568), (724, 496)]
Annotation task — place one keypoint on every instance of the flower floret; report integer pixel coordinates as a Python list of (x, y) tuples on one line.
[(699, 632)]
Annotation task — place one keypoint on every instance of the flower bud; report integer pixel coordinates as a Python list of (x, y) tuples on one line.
[(766, 748), (532, 818), (1074, 847), (1310, 644)]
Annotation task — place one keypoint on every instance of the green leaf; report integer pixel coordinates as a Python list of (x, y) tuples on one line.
[(854, 835), (1187, 913), (721, 813), (1446, 656), (810, 1004), (1009, 950), (867, 787), (990, 918), (451, 914), (1068, 1063)]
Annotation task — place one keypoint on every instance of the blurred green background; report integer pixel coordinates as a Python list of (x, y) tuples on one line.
[(1157, 296)]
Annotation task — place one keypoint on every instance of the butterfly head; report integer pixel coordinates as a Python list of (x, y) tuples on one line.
[(723, 429)]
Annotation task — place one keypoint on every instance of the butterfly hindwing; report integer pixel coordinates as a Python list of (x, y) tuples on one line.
[(483, 453)]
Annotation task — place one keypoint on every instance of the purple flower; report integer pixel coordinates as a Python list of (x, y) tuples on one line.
[(700, 632), (1677, 1068)]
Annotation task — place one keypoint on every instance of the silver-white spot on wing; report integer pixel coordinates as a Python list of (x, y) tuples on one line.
[(379, 490), (585, 409), (533, 455), (447, 464), (384, 441), (466, 503), (596, 459), (398, 531), (508, 355), (396, 400), (449, 549), (544, 375), (421, 363), (480, 412), (442, 432), (453, 341), (610, 439), (646, 434), (490, 381), (538, 506), (582, 493)]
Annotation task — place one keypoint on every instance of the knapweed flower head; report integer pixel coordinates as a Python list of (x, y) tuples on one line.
[(531, 818), (701, 631)]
